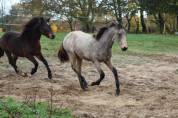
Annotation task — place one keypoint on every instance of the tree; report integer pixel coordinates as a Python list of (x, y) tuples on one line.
[(35, 7), (159, 9), (17, 10), (117, 6), (173, 9), (2, 11), (66, 9), (130, 10), (86, 13), (82, 10), (142, 4)]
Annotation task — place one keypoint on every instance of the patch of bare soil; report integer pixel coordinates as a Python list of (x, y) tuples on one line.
[(149, 87)]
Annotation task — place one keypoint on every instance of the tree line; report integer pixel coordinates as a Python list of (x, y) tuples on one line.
[(162, 13)]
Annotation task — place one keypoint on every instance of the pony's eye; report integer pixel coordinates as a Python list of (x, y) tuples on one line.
[(120, 34)]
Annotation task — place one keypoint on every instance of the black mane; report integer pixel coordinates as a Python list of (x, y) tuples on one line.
[(32, 25), (103, 29), (100, 32)]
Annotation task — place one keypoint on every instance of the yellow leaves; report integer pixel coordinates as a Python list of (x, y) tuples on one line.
[(54, 27)]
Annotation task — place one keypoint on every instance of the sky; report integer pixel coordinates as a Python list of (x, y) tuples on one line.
[(9, 3)]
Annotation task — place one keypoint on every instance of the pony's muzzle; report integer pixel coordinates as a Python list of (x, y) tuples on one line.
[(51, 36), (124, 48)]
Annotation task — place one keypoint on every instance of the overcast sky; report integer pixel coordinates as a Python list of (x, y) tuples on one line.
[(9, 3)]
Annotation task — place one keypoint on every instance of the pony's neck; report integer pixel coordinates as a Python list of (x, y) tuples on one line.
[(33, 35), (106, 40)]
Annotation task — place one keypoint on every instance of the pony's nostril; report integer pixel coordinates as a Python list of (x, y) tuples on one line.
[(53, 36), (124, 49)]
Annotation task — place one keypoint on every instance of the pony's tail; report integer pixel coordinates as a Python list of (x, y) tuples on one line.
[(1, 52), (62, 54)]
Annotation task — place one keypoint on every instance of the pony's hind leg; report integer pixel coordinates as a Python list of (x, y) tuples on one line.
[(113, 69), (33, 60), (12, 61), (76, 64), (102, 75), (79, 68)]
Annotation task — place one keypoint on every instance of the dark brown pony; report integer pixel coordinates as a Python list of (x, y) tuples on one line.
[(27, 44)]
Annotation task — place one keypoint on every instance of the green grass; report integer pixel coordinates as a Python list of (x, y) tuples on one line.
[(153, 44), (51, 47), (138, 44), (10, 108)]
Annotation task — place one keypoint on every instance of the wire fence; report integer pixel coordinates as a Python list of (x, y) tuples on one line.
[(11, 27)]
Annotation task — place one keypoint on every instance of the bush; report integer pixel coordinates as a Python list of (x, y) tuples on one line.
[(10, 108)]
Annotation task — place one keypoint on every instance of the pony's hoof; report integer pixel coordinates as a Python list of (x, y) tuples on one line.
[(94, 83), (22, 74), (84, 87), (33, 71), (117, 92), (25, 74), (50, 76), (85, 84)]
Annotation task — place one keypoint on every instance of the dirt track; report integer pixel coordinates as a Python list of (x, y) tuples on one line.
[(149, 87)]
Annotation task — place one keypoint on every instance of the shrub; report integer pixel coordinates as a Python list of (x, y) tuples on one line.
[(9, 108)]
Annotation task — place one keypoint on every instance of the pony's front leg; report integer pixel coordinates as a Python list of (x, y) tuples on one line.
[(113, 69), (41, 58), (33, 60), (102, 75)]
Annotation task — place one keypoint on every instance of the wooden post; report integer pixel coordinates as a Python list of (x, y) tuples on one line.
[(177, 23)]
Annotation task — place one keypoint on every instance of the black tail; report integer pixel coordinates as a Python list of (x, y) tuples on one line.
[(1, 52), (62, 54)]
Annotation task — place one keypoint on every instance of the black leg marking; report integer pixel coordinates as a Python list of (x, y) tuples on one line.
[(116, 81), (41, 58), (82, 80), (102, 75), (33, 60)]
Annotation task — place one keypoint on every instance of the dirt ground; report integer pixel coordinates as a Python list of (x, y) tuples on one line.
[(149, 87)]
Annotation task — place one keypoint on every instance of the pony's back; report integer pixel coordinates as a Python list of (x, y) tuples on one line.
[(78, 40)]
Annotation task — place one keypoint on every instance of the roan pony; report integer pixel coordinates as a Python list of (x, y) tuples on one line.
[(78, 45), (27, 44)]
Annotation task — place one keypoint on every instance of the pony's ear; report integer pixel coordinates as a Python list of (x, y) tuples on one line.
[(119, 25), (41, 19), (48, 19), (112, 24)]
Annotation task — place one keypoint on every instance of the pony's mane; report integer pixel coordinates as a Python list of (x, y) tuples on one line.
[(31, 25), (103, 29), (100, 33)]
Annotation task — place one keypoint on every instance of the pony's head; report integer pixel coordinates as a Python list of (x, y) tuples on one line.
[(38, 24), (120, 31), (45, 28)]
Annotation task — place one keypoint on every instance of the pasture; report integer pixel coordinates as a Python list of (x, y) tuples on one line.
[(148, 74)]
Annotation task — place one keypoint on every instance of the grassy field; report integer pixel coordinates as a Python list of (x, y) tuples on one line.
[(144, 82), (138, 43)]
